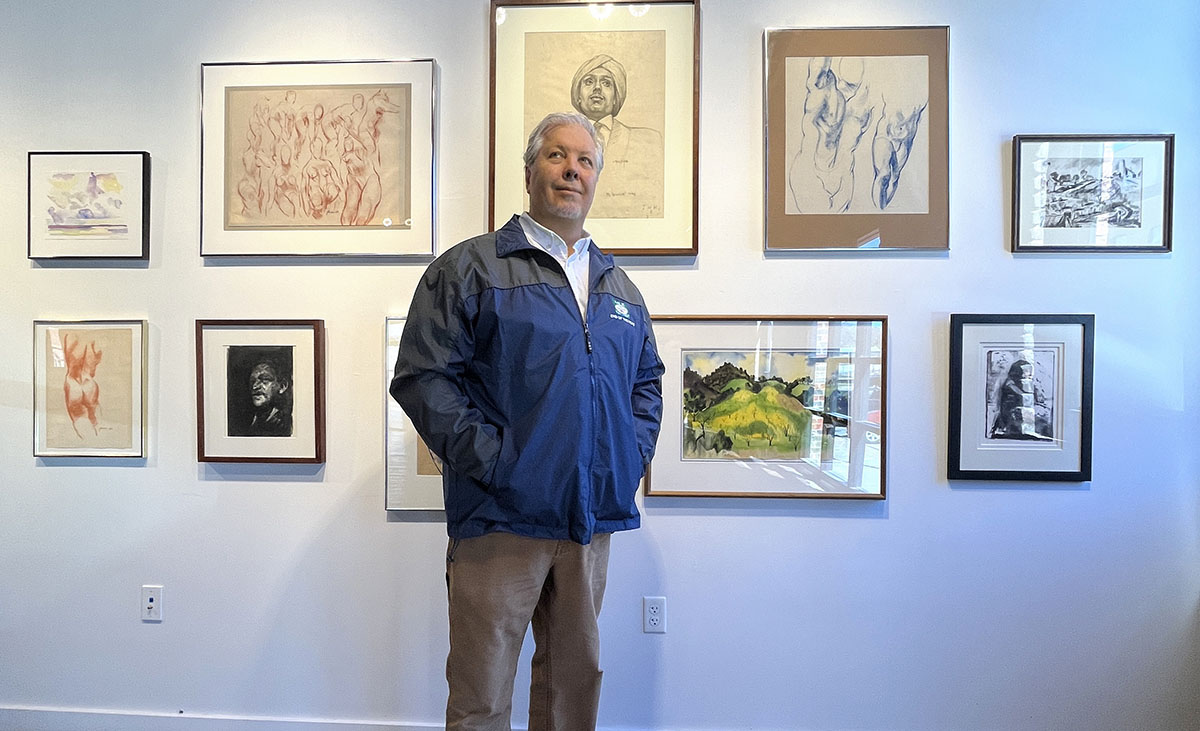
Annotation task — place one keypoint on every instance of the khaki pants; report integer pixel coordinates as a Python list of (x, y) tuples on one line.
[(498, 583)]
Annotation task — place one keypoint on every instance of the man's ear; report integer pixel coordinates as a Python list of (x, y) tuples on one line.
[(527, 178), (283, 387)]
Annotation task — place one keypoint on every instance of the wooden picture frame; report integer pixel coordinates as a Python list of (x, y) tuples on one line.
[(772, 406), (646, 58), (412, 475), (89, 388), (260, 391), (856, 137), (1092, 193), (88, 205), (1021, 397), (318, 158)]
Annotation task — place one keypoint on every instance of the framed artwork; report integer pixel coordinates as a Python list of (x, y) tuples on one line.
[(633, 70), (1092, 192), (89, 205), (317, 158), (1021, 397), (772, 406), (260, 390), (413, 473), (89, 387), (857, 138)]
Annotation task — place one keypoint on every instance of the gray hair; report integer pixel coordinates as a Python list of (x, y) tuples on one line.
[(537, 137)]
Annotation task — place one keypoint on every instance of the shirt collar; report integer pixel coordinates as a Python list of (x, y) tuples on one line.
[(551, 242)]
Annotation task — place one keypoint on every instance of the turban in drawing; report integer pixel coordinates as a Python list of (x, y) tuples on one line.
[(609, 64)]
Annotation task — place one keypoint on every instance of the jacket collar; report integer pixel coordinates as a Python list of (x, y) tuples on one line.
[(510, 239)]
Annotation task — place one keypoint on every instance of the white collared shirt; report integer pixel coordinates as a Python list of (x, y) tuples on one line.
[(576, 264)]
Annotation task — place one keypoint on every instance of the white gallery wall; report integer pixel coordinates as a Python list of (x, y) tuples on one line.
[(292, 598)]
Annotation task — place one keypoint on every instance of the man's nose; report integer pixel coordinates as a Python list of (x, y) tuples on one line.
[(571, 171)]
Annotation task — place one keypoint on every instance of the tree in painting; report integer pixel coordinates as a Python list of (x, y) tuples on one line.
[(729, 413)]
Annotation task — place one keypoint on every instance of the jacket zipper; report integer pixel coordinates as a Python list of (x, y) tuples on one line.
[(588, 517)]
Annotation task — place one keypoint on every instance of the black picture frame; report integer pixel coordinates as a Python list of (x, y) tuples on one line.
[(103, 216), (1092, 193), (1020, 397)]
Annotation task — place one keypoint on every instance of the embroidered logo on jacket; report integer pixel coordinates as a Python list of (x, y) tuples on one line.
[(621, 312)]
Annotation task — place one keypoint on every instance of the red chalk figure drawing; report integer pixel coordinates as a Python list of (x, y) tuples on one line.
[(88, 396), (307, 157), (80, 388)]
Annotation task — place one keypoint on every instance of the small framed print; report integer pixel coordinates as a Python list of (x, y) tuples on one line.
[(89, 205), (1021, 397), (317, 158), (857, 138), (1092, 192), (89, 386), (772, 406), (413, 473), (260, 390), (633, 70)]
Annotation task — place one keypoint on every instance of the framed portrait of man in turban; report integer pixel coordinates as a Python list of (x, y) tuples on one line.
[(631, 70)]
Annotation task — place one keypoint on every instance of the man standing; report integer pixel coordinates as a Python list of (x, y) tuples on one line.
[(528, 365)]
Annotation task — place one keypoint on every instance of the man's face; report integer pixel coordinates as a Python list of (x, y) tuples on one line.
[(561, 182), (264, 385), (597, 94)]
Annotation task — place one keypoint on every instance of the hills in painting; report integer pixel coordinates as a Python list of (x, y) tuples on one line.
[(731, 413)]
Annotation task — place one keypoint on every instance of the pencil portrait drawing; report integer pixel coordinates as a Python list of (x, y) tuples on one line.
[(617, 80)]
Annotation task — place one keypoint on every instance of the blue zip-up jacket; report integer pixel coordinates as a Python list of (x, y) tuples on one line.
[(545, 423)]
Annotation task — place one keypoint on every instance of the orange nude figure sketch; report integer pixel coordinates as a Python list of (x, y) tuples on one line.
[(80, 389)]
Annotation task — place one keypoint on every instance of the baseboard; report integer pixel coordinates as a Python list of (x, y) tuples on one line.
[(31, 718)]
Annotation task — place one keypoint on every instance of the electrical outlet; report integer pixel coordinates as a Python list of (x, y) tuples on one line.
[(654, 614), (152, 603)]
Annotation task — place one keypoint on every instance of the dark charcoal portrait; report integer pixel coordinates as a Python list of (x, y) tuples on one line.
[(259, 390), (1020, 397)]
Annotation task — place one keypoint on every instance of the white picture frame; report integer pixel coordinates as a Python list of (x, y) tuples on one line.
[(361, 181), (220, 345), (89, 388), (537, 49), (411, 479), (821, 434)]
